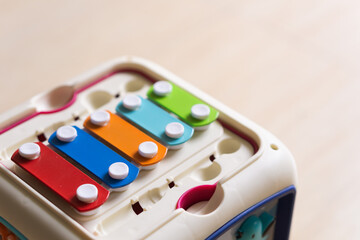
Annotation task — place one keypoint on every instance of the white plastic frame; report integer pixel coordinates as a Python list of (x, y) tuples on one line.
[(241, 184)]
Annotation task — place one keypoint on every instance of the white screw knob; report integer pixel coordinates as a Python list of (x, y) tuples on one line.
[(174, 130), (162, 88), (200, 111), (148, 149), (29, 151), (87, 193), (118, 170), (131, 102), (100, 118), (66, 133)]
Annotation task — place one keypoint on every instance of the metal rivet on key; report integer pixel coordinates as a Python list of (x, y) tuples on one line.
[(174, 130), (100, 118), (148, 149), (29, 151), (162, 88), (66, 133), (200, 111), (118, 170), (87, 193), (131, 102)]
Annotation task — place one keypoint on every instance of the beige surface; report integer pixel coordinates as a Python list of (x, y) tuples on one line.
[(291, 66)]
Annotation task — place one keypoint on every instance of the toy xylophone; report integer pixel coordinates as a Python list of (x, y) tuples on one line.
[(130, 151)]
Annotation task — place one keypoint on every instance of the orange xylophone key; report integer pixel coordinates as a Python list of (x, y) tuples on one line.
[(126, 138)]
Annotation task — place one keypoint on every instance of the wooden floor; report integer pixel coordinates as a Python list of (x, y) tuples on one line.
[(291, 66)]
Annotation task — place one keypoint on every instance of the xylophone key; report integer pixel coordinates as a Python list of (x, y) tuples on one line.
[(125, 137), (59, 175), (154, 120), (92, 155), (186, 106)]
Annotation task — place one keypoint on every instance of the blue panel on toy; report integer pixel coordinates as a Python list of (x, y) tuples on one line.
[(254, 228), (7, 231), (154, 119), (249, 223), (95, 157)]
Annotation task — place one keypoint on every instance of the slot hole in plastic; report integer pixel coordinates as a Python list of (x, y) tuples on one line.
[(42, 138), (137, 208), (171, 184)]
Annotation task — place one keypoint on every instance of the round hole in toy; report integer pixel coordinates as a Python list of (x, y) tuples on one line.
[(207, 173), (134, 85), (228, 146), (97, 99), (54, 100), (201, 200)]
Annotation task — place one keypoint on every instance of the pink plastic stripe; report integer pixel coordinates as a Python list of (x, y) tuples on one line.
[(195, 195), (224, 124), (71, 102), (12, 125), (240, 134)]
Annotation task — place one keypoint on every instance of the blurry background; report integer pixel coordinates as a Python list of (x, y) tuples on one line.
[(290, 66)]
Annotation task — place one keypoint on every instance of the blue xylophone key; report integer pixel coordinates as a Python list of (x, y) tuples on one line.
[(95, 157), (154, 120)]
